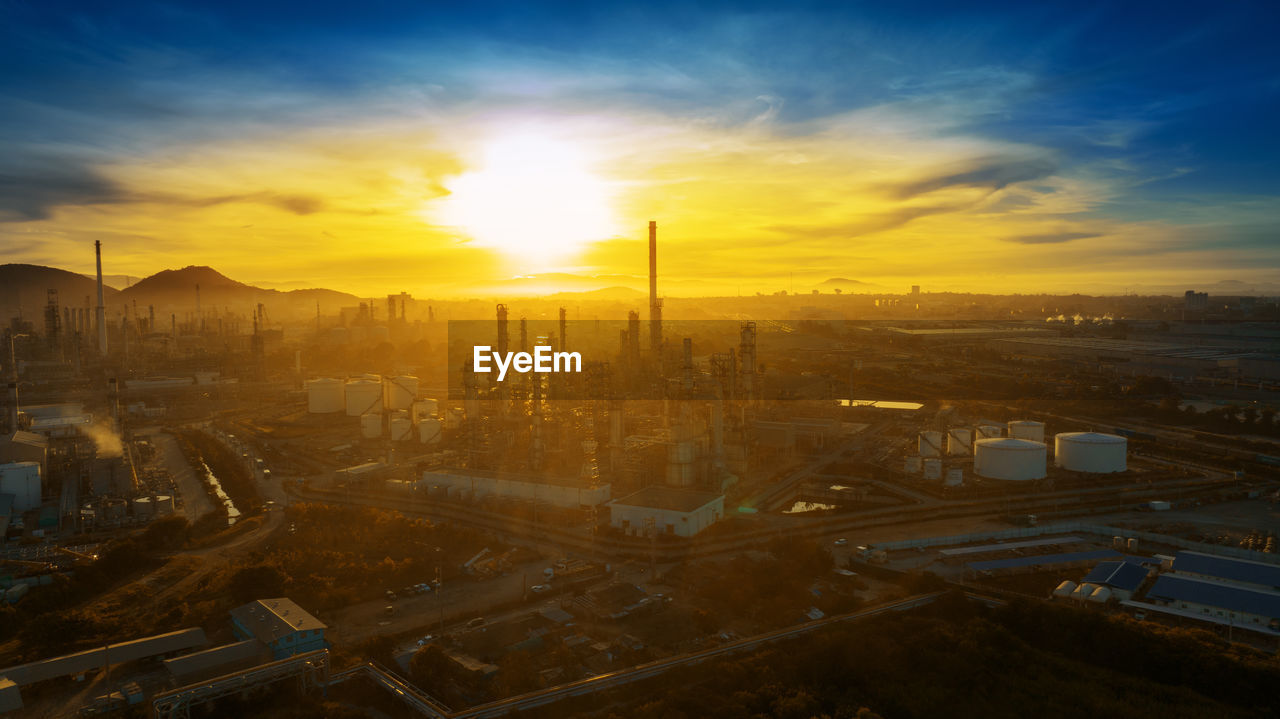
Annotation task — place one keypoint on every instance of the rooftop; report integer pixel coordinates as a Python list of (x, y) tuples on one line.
[(1235, 570), (270, 619), (1120, 575), (668, 498), (1171, 587)]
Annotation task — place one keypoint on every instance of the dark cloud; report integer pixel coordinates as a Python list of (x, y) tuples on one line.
[(994, 173), (296, 204), (869, 224), (31, 186), (1051, 239)]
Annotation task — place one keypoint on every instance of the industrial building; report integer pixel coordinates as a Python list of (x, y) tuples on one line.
[(22, 480), (479, 484), (1197, 565), (1238, 604), (666, 510), (280, 624), (1123, 578)]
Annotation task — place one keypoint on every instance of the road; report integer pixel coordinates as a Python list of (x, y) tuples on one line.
[(427, 706)]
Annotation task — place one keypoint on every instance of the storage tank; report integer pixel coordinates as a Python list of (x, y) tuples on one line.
[(364, 395), (911, 465), (430, 431), (400, 428), (1065, 589), (1027, 429), (933, 469), (959, 442), (371, 425), (1009, 459), (1090, 452), (143, 507), (955, 477), (324, 395), (989, 431), (930, 444), (401, 392), (425, 409), (164, 505)]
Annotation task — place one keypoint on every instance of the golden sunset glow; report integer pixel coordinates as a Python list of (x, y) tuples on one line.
[(531, 197)]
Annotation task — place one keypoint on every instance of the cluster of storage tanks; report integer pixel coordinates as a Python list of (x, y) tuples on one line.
[(368, 396), (1020, 456)]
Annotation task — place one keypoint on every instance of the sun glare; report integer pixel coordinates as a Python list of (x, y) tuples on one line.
[(531, 197)]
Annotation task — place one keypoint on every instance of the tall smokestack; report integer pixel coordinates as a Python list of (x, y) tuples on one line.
[(655, 304), (564, 331), (101, 312)]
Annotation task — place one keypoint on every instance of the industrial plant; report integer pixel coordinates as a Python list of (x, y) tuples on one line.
[(707, 427)]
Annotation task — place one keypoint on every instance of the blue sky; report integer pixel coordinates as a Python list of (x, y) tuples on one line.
[(1147, 128)]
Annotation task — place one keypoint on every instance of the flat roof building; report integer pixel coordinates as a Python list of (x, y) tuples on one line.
[(280, 624), (668, 510)]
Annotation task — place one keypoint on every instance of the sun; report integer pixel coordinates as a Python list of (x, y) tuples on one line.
[(532, 197)]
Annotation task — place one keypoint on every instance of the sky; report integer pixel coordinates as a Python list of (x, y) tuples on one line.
[(440, 148)]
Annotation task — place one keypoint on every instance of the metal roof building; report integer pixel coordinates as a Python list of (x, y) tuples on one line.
[(1123, 577), (279, 624), (1047, 560), (1241, 571), (1215, 599)]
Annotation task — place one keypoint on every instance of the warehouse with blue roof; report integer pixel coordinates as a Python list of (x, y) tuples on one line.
[(1240, 571), (1244, 606), (1123, 577)]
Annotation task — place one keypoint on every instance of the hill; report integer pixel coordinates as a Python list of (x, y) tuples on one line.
[(24, 288), (176, 290)]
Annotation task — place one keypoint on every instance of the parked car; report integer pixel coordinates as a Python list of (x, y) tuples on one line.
[(540, 588), (391, 596), (842, 542), (477, 622)]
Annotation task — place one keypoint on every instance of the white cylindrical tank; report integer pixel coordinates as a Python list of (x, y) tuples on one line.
[(1027, 429), (164, 505), (142, 507), (324, 395), (930, 443), (425, 409), (430, 431), (363, 395), (959, 442), (955, 477), (911, 465), (1009, 459), (989, 431), (1065, 588), (401, 392), (371, 425), (1090, 452), (933, 469), (401, 428)]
